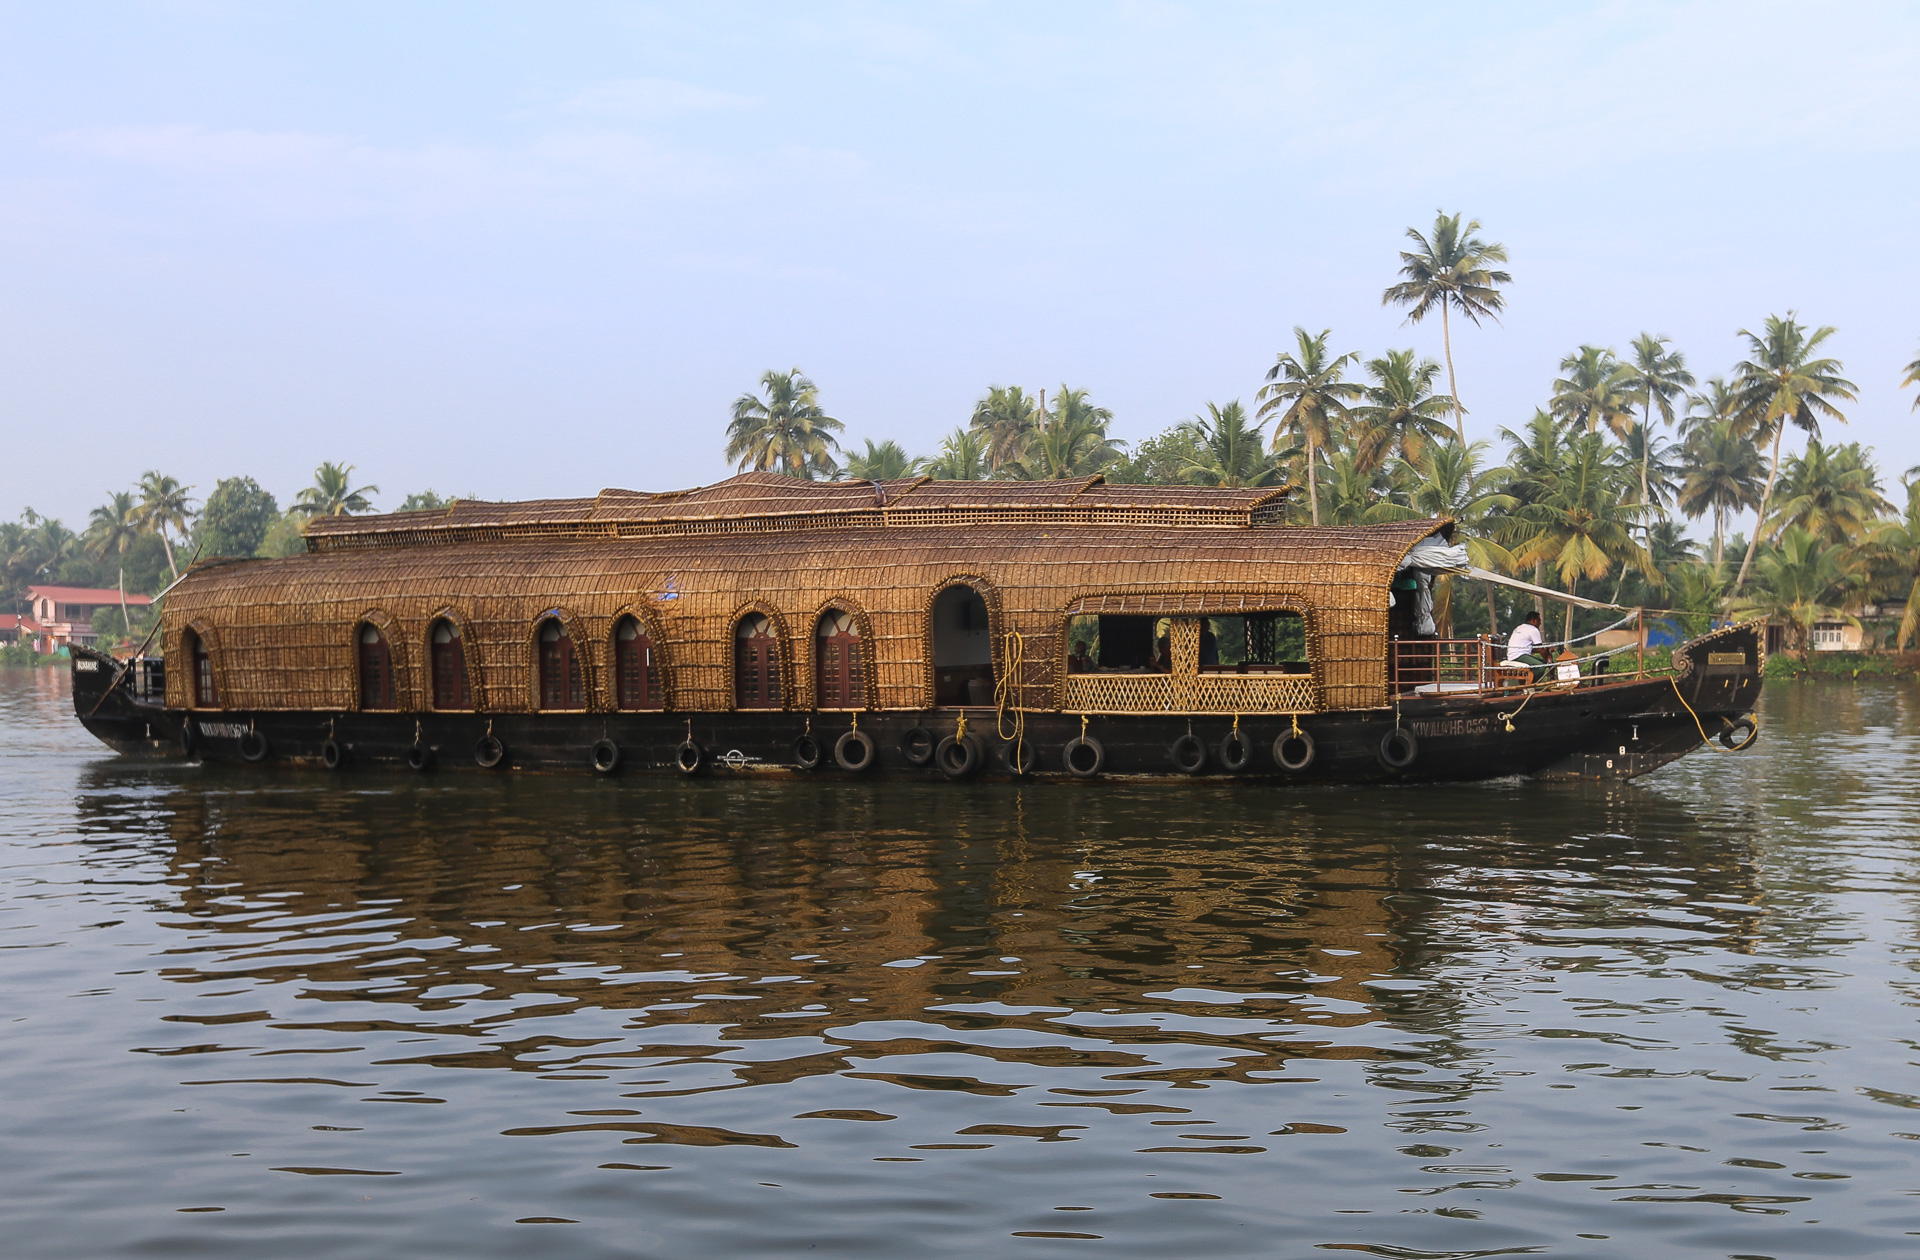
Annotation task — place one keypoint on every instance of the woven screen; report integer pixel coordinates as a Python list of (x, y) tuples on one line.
[(285, 628)]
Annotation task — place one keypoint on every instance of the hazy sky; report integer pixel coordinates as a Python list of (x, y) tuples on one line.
[(538, 249)]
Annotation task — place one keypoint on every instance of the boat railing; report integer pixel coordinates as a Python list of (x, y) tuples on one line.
[(1430, 667)]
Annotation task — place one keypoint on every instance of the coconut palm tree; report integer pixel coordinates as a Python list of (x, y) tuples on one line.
[(1306, 387), (884, 461), (1401, 411), (1536, 460), (333, 493), (1072, 441), (112, 528), (1582, 524), (1723, 473), (787, 432), (1896, 544), (1913, 378), (1596, 389), (1832, 492), (1354, 493), (1782, 383), (1657, 376), (1230, 451), (1004, 419), (1449, 481), (164, 506), (1450, 271), (1801, 580), (962, 457)]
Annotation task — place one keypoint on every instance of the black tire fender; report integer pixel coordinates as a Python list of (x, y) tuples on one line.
[(254, 746), (1022, 757), (489, 752), (689, 757), (854, 752), (332, 756), (1293, 751), (959, 758), (1399, 749), (807, 753), (918, 745), (1083, 756), (1740, 734), (1235, 752), (1189, 755), (189, 738), (605, 756), (418, 756)]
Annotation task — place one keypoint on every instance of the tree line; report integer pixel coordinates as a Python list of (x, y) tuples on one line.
[(140, 539), (1585, 496)]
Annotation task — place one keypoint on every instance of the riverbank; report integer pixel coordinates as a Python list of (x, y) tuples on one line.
[(1845, 666)]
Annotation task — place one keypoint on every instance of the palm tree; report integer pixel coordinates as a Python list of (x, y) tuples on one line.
[(1004, 419), (1832, 492), (333, 493), (1913, 378), (164, 506), (1450, 482), (1231, 452), (1536, 460), (1355, 493), (1657, 376), (788, 433), (1596, 389), (1897, 543), (1305, 386), (111, 529), (1723, 472), (1782, 383), (1583, 524), (1450, 271), (1071, 442), (1401, 411), (883, 461), (962, 457), (1800, 580)]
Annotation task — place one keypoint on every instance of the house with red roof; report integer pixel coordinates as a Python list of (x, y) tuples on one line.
[(65, 613), (15, 628)]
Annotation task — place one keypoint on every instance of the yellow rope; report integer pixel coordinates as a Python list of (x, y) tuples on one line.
[(960, 729), (1016, 660), (1508, 717), (1696, 719)]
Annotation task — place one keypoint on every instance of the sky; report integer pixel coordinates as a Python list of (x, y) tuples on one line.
[(517, 251)]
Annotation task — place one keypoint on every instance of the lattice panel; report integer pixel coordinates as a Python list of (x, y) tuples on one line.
[(1204, 693)]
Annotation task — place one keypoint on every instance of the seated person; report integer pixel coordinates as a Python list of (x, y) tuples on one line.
[(1209, 645), (1524, 643), (1078, 660)]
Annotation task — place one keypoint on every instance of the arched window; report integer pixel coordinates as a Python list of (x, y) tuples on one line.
[(376, 669), (840, 681), (756, 664), (636, 680), (205, 694), (560, 686), (449, 667)]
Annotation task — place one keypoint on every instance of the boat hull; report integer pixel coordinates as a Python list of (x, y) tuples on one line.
[(1592, 731)]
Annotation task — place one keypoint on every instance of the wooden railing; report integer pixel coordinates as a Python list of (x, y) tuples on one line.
[(1464, 666)]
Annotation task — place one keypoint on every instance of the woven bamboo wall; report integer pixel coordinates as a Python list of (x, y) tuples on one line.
[(282, 631)]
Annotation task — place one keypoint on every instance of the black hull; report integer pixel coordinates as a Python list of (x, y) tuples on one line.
[(1612, 731)]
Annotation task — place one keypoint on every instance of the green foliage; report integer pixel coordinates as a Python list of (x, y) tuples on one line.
[(333, 493), (1158, 460), (884, 461), (962, 457), (425, 501), (1230, 451), (785, 432), (235, 518), (285, 537)]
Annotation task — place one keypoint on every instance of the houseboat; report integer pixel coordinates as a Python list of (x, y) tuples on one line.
[(765, 625)]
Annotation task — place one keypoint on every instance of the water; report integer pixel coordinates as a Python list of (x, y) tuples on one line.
[(289, 1014)]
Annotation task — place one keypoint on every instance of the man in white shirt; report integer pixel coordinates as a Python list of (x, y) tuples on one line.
[(1526, 637), (1521, 644)]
